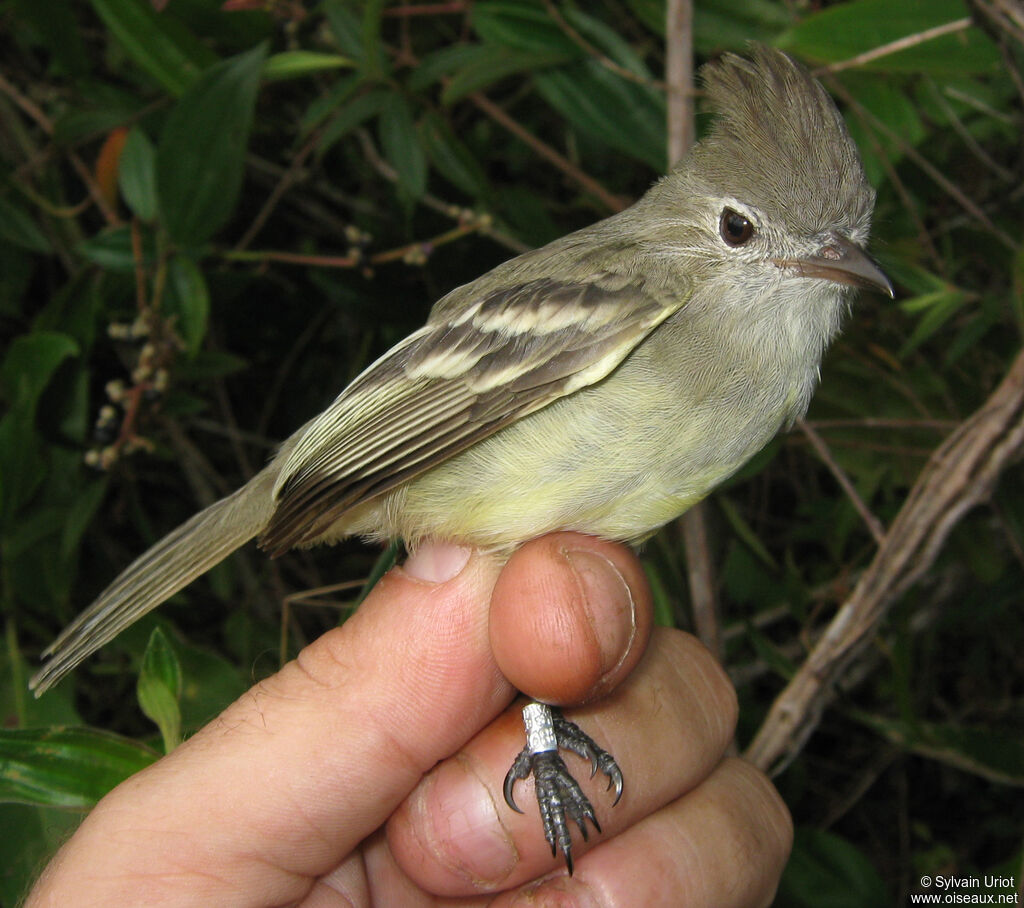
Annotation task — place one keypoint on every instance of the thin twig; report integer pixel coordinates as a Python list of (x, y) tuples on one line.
[(1007, 176), (962, 472), (930, 169), (870, 520), (909, 204), (700, 568), (415, 249), (884, 50), (588, 183), (875, 422), (292, 258), (485, 225), (679, 73), (455, 7), (289, 179), (573, 35), (1007, 17), (43, 121)]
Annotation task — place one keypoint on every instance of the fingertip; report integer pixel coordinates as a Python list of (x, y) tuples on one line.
[(451, 834), (570, 617)]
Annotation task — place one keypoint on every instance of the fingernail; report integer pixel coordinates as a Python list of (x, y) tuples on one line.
[(461, 825), (609, 605), (436, 562)]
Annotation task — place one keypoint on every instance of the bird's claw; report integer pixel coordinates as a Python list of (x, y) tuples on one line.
[(559, 797)]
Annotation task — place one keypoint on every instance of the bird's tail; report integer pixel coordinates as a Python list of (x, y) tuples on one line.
[(175, 561)]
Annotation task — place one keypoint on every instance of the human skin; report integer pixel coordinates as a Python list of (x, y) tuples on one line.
[(369, 770)]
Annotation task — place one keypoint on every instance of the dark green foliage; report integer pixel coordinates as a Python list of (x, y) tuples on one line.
[(210, 221)]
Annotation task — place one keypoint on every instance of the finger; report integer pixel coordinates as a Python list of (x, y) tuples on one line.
[(290, 777), (570, 617), (722, 845), (667, 725)]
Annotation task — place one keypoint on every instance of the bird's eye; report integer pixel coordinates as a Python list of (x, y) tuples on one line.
[(734, 228)]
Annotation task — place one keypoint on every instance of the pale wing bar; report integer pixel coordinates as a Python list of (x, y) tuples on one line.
[(464, 379)]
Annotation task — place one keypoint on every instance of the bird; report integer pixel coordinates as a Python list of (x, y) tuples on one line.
[(603, 383)]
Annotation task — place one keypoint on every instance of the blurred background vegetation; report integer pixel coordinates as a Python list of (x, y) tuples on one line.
[(214, 214)]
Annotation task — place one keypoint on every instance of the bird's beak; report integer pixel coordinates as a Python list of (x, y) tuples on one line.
[(842, 261)]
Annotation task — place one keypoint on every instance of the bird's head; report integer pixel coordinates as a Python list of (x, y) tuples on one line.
[(775, 192)]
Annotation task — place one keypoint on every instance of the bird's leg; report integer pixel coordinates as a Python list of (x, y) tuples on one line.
[(559, 797)]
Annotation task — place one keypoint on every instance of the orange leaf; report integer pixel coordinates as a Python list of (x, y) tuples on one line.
[(107, 162)]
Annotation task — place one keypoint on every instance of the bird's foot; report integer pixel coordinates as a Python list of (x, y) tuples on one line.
[(559, 796)]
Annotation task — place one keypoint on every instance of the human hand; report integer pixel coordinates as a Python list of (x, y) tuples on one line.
[(369, 770)]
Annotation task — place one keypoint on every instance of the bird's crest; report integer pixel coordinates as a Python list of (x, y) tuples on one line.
[(778, 139)]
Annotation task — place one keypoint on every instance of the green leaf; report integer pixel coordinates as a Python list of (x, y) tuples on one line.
[(137, 175), (17, 227), (345, 27), (401, 146), (886, 99), (374, 63), (66, 767), (27, 370), (200, 159), (189, 299), (521, 26), (74, 126), (210, 364), (825, 869), (444, 62), (490, 64), (608, 40), (78, 516), (938, 308), (769, 652), (385, 561), (623, 115), (294, 64), (29, 837), (29, 365), (663, 609), (112, 249), (844, 30), (157, 42), (732, 24), (351, 115), (60, 32), (159, 688), (323, 105), (746, 533), (452, 159)]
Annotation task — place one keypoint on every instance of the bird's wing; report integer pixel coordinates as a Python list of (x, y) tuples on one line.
[(459, 379)]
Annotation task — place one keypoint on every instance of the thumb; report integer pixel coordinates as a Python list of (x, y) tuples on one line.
[(570, 617), (294, 774)]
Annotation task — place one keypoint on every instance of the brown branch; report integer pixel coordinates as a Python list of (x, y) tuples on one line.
[(288, 179), (817, 442), (700, 568), (588, 183), (34, 112), (573, 35), (455, 7), (485, 224), (679, 77), (961, 473), (884, 50), (947, 185)]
